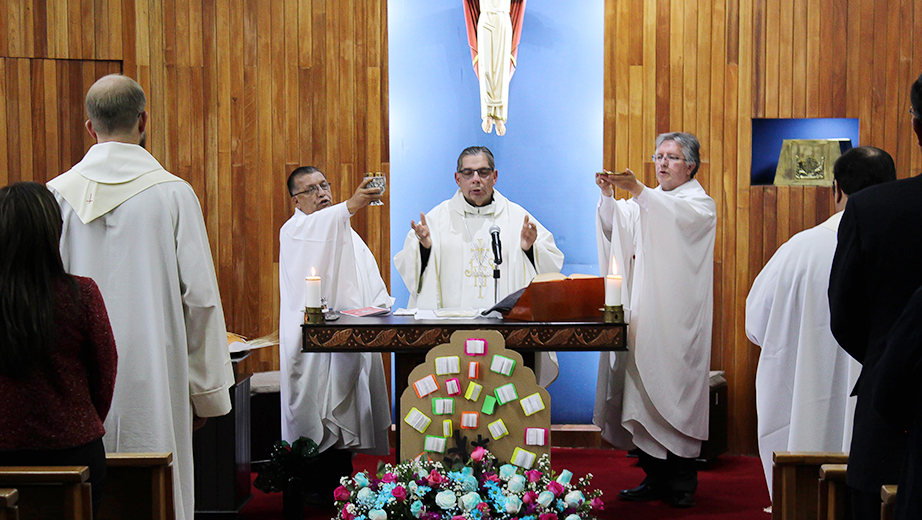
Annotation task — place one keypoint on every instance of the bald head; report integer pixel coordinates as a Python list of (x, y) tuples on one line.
[(115, 106)]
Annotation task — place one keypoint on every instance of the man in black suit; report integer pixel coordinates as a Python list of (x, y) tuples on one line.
[(876, 269)]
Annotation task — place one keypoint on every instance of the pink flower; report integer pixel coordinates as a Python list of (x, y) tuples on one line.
[(347, 515), (478, 454), (596, 503), (388, 478), (555, 488), (435, 478), (548, 516), (458, 517), (483, 507), (493, 477), (400, 493), (529, 497), (341, 494), (533, 475)]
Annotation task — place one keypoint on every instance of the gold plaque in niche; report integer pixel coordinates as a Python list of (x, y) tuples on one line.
[(808, 162)]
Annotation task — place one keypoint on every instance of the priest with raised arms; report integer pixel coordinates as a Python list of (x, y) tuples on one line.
[(138, 231), (655, 395), (804, 379), (339, 400), (447, 259)]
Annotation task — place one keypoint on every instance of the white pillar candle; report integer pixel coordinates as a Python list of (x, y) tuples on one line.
[(312, 293), (613, 285)]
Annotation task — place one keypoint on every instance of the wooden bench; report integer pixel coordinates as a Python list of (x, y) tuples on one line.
[(834, 503), (795, 483), (887, 499), (50, 491), (138, 486), (8, 508)]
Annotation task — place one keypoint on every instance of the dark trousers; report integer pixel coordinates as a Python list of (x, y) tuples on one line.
[(332, 464), (673, 475), (92, 455), (865, 505)]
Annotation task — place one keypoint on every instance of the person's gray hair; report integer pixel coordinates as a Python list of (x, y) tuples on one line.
[(690, 147), (477, 150), (114, 103)]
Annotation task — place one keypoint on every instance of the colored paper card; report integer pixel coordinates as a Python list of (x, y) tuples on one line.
[(473, 391), (447, 365), (473, 370), (436, 444), (475, 347), (447, 430), (489, 404), (502, 365), (536, 436), (425, 386), (469, 420), (417, 420), (523, 458), (498, 429), (453, 386), (506, 393), (532, 404), (443, 405)]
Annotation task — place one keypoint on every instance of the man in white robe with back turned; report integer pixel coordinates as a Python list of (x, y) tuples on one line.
[(447, 258), (655, 396), (338, 400), (138, 231), (804, 378)]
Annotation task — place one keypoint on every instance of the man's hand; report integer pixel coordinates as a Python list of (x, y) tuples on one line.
[(529, 234), (362, 196), (422, 231), (198, 422), (604, 185), (626, 181)]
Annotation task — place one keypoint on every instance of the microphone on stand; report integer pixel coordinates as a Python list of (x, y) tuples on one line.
[(497, 245), (497, 259)]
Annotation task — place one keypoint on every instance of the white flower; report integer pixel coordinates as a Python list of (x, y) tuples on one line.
[(572, 517), (377, 514), (514, 504), (516, 484), (574, 498), (366, 494), (446, 499), (469, 501), (545, 498)]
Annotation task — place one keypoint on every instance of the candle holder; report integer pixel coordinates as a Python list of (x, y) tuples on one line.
[(313, 315), (613, 314)]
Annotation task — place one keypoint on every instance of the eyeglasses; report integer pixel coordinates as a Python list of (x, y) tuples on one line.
[(468, 173), (314, 189), (668, 158)]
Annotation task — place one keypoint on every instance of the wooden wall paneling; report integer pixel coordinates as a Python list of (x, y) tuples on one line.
[(812, 92), (662, 77), (24, 124), (609, 127), (721, 181), (690, 70), (769, 222), (677, 67), (785, 58), (704, 54), (753, 43), (783, 217), (773, 45), (620, 79), (39, 162), (795, 212), (6, 99), (799, 23)]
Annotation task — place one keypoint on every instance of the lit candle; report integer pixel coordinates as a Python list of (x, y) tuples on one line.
[(613, 285), (312, 295)]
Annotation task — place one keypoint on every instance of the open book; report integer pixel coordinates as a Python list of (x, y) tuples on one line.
[(367, 311), (555, 297), (237, 343), (550, 277)]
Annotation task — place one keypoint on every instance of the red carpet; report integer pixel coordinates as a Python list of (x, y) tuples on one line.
[(732, 488)]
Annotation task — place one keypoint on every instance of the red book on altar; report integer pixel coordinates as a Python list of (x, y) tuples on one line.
[(555, 297)]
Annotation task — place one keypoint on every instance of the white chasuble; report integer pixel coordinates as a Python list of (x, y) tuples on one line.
[(804, 379), (655, 395), (338, 399), (149, 255), (459, 272)]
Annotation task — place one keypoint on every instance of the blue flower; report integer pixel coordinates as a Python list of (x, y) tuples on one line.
[(361, 480), (470, 501), (422, 490), (468, 483), (506, 471), (446, 499), (416, 509)]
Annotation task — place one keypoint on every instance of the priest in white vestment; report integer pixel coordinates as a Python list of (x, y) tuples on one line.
[(447, 259), (138, 231), (804, 378), (339, 400), (655, 395)]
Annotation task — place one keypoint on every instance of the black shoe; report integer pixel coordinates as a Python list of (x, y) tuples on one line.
[(682, 500), (641, 493)]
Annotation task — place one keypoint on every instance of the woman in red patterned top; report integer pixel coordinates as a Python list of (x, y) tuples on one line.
[(57, 353)]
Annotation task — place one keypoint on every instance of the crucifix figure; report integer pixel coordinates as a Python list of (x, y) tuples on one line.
[(494, 28)]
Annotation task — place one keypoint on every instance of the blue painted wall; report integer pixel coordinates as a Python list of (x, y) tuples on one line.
[(546, 160)]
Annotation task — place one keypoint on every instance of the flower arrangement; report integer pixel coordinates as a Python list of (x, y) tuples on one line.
[(477, 487), (289, 464)]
